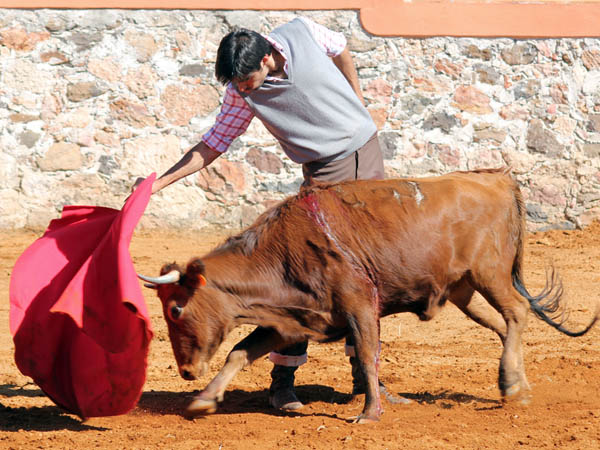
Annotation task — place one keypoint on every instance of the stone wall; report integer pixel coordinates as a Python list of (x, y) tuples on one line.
[(92, 99)]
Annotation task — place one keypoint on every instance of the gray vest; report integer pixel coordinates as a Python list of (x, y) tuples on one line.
[(314, 113)]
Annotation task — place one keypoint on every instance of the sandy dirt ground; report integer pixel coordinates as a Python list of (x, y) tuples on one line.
[(447, 367)]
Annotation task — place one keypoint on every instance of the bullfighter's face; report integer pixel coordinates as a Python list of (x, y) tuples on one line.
[(251, 82), (255, 79)]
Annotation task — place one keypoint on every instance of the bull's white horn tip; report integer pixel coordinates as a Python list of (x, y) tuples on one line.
[(168, 278)]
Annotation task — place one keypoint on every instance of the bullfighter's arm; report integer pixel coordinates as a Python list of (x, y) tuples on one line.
[(198, 157), (344, 62)]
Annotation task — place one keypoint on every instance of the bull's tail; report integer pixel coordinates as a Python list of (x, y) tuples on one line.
[(547, 305)]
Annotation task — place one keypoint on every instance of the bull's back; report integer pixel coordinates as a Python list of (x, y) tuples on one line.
[(427, 230), (430, 205)]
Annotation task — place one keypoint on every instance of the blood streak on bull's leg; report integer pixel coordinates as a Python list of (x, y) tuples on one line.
[(311, 204)]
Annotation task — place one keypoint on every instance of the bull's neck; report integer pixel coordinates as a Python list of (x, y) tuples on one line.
[(245, 278)]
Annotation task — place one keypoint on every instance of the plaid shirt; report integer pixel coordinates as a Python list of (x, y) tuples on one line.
[(236, 115)]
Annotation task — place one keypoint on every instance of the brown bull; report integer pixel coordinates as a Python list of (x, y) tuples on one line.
[(334, 259)]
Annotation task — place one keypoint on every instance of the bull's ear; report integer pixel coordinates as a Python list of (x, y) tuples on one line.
[(195, 272), (169, 268)]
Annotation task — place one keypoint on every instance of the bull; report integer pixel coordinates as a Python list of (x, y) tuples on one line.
[(333, 259)]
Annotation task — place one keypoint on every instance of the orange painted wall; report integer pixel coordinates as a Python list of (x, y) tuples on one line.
[(417, 18)]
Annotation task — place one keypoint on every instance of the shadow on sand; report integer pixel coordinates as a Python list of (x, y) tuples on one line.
[(238, 401), (447, 399), (36, 418)]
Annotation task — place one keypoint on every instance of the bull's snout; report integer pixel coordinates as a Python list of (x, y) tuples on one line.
[(186, 374), (190, 372)]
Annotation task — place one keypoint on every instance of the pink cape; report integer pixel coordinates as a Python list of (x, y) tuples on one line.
[(77, 315)]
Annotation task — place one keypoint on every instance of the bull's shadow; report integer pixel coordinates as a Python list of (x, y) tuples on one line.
[(238, 401)]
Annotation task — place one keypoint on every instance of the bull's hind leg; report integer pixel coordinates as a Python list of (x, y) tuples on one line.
[(477, 308), (258, 343), (514, 309)]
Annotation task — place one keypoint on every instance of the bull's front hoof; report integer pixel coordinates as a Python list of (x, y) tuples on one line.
[(516, 394), (201, 407)]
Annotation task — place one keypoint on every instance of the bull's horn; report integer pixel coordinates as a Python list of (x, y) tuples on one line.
[(168, 278)]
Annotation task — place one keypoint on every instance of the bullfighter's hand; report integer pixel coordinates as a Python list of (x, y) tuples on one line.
[(138, 181)]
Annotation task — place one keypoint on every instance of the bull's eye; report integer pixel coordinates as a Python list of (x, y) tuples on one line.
[(175, 312)]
